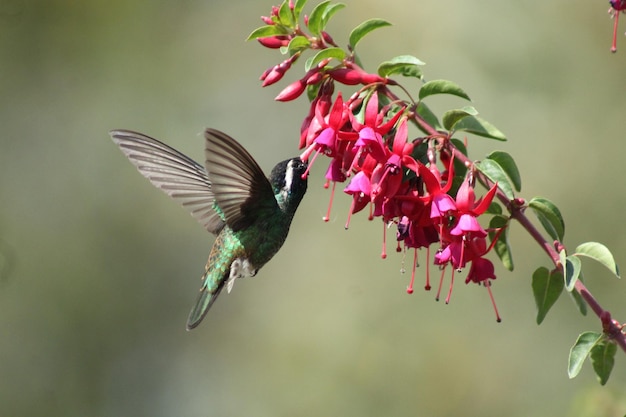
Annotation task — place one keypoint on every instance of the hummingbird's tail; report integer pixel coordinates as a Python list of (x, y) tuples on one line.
[(202, 306)]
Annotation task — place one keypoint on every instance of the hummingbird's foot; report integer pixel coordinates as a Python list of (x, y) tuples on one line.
[(240, 268)]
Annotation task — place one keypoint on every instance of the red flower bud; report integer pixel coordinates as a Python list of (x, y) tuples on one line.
[(267, 20), (345, 76), (273, 76), (292, 91), (355, 75), (328, 39), (314, 78), (367, 78), (274, 42)]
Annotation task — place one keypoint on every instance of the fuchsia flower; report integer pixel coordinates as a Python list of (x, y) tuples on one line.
[(456, 247), (468, 210), (481, 270), (359, 188), (389, 172), (330, 130), (441, 204)]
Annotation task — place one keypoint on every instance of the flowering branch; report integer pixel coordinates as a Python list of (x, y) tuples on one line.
[(425, 186)]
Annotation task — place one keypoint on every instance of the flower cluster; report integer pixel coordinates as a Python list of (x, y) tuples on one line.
[(406, 183)]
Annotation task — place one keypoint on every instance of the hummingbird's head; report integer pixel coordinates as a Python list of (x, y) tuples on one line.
[(289, 183)]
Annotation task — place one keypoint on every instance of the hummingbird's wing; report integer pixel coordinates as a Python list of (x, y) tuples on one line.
[(177, 175), (242, 192)]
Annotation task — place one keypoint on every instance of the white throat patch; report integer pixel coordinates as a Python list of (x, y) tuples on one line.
[(288, 180)]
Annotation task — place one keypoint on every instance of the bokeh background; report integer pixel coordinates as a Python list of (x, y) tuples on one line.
[(100, 269)]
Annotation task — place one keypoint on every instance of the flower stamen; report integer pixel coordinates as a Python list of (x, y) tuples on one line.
[(450, 289), (326, 218), (493, 301)]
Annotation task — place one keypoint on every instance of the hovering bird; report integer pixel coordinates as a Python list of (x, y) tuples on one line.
[(230, 196)]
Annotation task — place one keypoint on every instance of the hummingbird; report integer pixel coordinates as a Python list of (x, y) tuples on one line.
[(230, 196)]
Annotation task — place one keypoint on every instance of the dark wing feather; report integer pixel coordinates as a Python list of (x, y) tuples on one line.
[(177, 175), (241, 189)]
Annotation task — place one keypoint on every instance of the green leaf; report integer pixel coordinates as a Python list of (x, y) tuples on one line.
[(547, 287), (297, 44), (599, 253), (480, 127), (312, 91), (495, 173), (452, 117), (442, 87), (508, 165), (578, 299), (549, 216), (494, 208), (328, 53), (572, 271), (405, 65), (297, 8), (265, 31), (285, 15), (459, 167), (364, 28), (579, 352), (428, 116), (330, 11), (502, 247), (316, 18), (603, 358), (563, 258)]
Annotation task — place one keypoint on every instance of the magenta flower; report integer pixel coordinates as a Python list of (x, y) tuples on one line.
[(331, 130), (482, 269), (441, 204), (468, 210), (388, 174), (359, 188)]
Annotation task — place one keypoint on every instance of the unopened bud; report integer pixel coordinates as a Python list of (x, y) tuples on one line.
[(275, 74), (278, 71), (345, 76), (274, 42), (267, 20), (292, 91), (328, 39), (314, 78)]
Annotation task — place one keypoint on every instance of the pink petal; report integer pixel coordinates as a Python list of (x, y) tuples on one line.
[(468, 223), (360, 183), (442, 204)]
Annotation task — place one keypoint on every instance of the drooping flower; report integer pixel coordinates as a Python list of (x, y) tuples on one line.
[(468, 209), (441, 204), (359, 188)]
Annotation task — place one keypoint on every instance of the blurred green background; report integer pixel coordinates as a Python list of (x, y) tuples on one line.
[(103, 268)]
